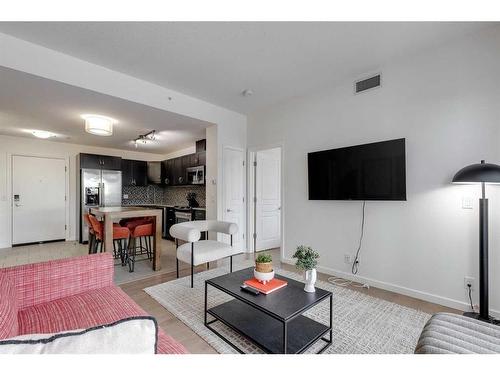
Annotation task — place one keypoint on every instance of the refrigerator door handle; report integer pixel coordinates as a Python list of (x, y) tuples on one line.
[(101, 194)]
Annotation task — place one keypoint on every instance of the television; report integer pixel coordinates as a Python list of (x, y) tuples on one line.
[(373, 171)]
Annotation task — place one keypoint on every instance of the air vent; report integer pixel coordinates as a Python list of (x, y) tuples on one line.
[(367, 84)]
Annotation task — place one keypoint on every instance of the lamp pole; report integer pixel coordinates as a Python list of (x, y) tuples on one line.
[(483, 255)]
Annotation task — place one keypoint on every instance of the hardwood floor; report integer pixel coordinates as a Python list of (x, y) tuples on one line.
[(196, 345)]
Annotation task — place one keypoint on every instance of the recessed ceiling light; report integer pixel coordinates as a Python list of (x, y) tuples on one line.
[(42, 134), (99, 125), (247, 92)]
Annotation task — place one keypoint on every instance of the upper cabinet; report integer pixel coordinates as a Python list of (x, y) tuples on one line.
[(91, 161), (134, 173), (174, 170)]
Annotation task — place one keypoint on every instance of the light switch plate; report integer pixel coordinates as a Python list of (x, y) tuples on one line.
[(467, 203)]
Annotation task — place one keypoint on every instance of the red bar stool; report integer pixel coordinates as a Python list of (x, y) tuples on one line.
[(91, 232), (141, 231), (120, 237)]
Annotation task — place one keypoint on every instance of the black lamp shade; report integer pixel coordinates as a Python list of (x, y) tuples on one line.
[(480, 172)]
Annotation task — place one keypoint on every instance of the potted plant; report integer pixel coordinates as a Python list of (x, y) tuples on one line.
[(264, 268), (307, 261)]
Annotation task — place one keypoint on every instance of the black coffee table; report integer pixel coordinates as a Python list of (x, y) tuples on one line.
[(273, 322)]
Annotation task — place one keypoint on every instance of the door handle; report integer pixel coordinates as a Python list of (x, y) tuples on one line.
[(228, 210)]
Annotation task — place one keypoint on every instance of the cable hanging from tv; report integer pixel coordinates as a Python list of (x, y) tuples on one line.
[(355, 264)]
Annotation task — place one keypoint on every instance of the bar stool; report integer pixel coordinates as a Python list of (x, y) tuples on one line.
[(91, 232), (139, 232), (120, 238)]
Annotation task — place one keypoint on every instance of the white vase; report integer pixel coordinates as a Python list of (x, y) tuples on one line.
[(310, 280)]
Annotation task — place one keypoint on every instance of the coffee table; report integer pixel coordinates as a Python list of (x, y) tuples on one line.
[(274, 322)]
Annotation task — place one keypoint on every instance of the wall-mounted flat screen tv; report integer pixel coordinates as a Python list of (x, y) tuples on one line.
[(373, 171)]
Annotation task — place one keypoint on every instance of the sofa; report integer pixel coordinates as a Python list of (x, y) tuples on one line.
[(67, 294)]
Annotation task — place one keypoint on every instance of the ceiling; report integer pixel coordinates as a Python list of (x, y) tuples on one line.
[(216, 61), (30, 103)]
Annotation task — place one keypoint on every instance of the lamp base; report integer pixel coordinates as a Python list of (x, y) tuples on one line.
[(474, 315)]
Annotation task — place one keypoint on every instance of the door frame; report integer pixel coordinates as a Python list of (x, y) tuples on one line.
[(223, 195), (251, 193), (10, 183)]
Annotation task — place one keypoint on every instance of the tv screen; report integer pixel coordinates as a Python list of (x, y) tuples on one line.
[(374, 171)]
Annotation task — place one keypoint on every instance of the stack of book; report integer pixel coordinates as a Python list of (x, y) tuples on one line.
[(267, 288)]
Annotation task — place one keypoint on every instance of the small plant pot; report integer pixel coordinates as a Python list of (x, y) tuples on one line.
[(264, 267)]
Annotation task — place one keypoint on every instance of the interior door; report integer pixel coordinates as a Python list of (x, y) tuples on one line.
[(39, 206), (234, 193), (268, 202)]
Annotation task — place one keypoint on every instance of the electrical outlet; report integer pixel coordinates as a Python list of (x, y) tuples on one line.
[(467, 203), (469, 280), (347, 259)]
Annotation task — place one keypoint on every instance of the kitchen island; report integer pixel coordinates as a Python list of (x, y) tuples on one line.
[(114, 214)]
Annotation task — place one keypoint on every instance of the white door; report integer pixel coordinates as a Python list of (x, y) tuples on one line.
[(38, 206), (268, 199), (234, 193)]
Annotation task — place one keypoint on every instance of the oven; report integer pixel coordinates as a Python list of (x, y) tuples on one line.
[(182, 216)]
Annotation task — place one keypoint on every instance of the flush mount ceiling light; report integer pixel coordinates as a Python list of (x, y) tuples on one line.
[(42, 134), (99, 125), (145, 138)]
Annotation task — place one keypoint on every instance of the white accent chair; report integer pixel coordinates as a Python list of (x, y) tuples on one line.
[(206, 250)]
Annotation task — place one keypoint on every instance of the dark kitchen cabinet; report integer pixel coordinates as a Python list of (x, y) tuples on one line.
[(169, 221), (134, 173), (168, 166), (201, 145), (92, 161), (179, 170)]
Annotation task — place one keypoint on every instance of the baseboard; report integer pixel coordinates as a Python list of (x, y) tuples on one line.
[(429, 297)]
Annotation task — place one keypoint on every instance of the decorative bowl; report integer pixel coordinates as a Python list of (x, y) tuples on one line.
[(263, 277)]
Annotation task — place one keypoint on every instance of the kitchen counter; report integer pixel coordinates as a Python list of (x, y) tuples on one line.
[(162, 205)]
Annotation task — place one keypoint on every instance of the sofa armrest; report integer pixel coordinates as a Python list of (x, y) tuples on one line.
[(47, 281)]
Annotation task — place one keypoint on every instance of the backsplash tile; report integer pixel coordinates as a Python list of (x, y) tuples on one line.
[(176, 195), (154, 194)]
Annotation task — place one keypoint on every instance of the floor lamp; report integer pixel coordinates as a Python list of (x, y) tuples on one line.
[(482, 173)]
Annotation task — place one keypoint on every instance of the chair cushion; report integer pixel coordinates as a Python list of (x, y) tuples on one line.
[(8, 308), (89, 309), (451, 333), (205, 251)]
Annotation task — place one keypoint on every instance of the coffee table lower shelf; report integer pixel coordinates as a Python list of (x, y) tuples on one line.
[(266, 332)]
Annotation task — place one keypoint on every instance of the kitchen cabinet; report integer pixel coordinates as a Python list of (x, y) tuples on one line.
[(169, 221), (168, 166), (92, 161), (175, 169), (179, 170), (134, 173), (201, 145)]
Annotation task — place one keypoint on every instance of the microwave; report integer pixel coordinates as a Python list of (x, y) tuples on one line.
[(196, 175)]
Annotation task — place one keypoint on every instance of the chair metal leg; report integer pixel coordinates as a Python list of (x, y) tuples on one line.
[(177, 266), (231, 257), (192, 261), (131, 257), (208, 265)]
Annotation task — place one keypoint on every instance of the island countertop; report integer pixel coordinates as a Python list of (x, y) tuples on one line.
[(110, 214)]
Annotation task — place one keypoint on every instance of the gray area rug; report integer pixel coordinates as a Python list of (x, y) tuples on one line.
[(361, 323)]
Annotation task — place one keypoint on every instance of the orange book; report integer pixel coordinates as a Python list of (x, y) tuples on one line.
[(267, 288)]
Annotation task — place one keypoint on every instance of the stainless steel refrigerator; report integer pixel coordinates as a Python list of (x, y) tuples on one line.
[(98, 188)]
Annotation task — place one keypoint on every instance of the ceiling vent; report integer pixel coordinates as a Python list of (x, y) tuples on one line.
[(367, 84)]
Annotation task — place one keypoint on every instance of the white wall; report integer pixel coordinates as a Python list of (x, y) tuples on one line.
[(44, 148), (446, 104), (34, 59)]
